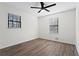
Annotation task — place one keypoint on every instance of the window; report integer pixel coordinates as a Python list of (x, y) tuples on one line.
[(53, 25), (14, 21)]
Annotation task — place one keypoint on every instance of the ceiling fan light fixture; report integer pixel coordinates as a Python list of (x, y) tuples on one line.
[(43, 7)]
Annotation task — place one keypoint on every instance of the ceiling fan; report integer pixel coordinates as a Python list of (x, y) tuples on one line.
[(43, 7)]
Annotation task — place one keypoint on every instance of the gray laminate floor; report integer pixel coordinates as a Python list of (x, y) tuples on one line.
[(40, 47)]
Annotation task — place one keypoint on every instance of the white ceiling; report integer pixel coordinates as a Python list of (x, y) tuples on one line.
[(60, 6)]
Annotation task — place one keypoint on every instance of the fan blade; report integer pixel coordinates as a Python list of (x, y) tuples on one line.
[(50, 5), (39, 11), (36, 7), (46, 10)]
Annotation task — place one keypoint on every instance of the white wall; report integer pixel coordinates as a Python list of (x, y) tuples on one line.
[(28, 31), (77, 27), (66, 27)]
